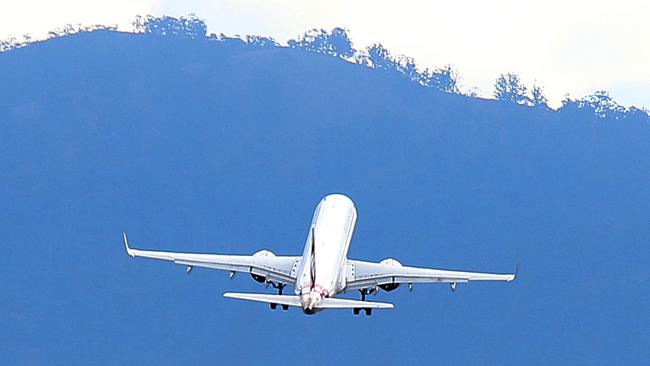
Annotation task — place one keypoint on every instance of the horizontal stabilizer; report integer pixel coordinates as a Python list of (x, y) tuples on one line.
[(293, 300), (332, 303)]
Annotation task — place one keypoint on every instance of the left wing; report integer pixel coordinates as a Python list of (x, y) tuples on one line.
[(274, 268), (364, 275)]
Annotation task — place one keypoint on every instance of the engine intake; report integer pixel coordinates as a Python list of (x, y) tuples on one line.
[(262, 253), (390, 286)]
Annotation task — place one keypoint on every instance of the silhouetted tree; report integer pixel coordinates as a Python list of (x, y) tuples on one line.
[(381, 58), (406, 65), (444, 79), (537, 98), (336, 43), (575, 107), (604, 106), (378, 57), (472, 92), (601, 105), (139, 24), (341, 43), (509, 88), (8, 44), (69, 29), (187, 27), (261, 41)]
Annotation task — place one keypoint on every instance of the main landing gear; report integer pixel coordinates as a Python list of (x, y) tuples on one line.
[(280, 287), (356, 311), (364, 292)]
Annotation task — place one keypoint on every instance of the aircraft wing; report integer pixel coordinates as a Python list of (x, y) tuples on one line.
[(369, 275), (275, 268)]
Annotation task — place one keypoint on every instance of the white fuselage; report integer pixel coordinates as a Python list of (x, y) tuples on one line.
[(322, 270)]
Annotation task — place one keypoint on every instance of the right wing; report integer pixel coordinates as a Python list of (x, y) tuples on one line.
[(274, 268), (369, 274)]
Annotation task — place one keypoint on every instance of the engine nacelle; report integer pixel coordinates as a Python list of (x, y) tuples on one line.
[(390, 286), (262, 253)]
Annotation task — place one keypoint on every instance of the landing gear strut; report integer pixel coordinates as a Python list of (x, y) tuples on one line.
[(364, 292), (280, 287)]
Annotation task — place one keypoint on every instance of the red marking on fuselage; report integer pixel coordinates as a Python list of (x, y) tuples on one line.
[(306, 288)]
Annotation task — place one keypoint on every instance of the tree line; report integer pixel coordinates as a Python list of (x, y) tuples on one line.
[(508, 87)]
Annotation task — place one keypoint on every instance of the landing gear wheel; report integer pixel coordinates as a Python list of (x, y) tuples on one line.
[(273, 306), (356, 311), (368, 311), (285, 307)]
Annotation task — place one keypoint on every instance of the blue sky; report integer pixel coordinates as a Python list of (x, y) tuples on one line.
[(569, 47)]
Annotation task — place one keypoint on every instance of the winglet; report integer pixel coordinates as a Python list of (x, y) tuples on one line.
[(514, 276), (129, 251)]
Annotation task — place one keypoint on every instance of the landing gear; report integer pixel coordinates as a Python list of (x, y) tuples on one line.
[(367, 291), (280, 287), (364, 292), (275, 306), (357, 311)]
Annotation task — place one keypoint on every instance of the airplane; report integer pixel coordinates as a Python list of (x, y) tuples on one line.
[(323, 271)]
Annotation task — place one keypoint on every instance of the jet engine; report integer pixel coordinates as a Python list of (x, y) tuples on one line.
[(262, 253), (390, 286)]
